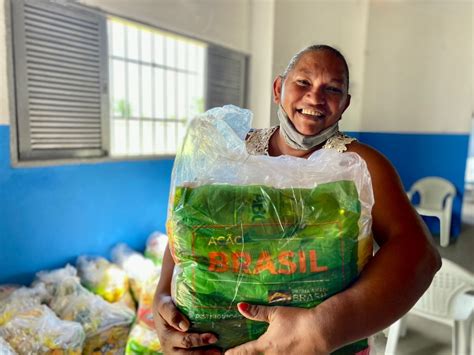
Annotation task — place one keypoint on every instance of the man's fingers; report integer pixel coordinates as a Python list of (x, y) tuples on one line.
[(256, 312), (168, 311), (210, 351), (190, 340), (250, 348)]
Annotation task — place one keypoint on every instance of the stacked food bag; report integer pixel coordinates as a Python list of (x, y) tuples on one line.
[(106, 325), (29, 327), (88, 310), (265, 230)]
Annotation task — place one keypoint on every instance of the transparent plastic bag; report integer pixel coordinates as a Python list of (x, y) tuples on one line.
[(138, 268), (143, 338), (266, 230), (5, 348), (38, 331), (106, 324), (105, 279), (143, 341), (155, 247), (18, 300)]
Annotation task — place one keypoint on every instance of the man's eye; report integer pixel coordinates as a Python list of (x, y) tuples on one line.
[(333, 89), (302, 82)]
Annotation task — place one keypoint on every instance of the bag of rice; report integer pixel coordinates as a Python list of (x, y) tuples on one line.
[(265, 230)]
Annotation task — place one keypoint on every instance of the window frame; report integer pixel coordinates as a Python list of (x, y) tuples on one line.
[(106, 117)]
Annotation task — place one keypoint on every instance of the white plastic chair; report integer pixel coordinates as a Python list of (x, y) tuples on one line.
[(436, 200), (446, 301)]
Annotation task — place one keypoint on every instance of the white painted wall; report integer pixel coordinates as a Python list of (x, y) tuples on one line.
[(262, 16), (223, 22), (342, 24), (4, 110), (419, 67)]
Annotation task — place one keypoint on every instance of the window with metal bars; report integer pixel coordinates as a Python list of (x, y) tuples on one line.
[(157, 85), (90, 85)]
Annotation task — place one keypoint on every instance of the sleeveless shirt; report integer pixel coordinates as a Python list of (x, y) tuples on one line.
[(258, 140)]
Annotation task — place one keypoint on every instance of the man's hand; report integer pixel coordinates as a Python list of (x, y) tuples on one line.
[(291, 331), (172, 326)]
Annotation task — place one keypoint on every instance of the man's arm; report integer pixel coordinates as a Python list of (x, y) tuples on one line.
[(390, 284)]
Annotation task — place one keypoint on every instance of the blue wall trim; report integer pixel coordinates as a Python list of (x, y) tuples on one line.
[(419, 155), (51, 215)]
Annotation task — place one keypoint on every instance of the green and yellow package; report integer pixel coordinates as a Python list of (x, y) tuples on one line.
[(280, 231)]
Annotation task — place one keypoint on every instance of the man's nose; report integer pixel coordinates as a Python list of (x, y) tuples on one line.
[(316, 96)]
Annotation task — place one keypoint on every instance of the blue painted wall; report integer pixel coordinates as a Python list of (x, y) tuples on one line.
[(50, 215), (419, 155)]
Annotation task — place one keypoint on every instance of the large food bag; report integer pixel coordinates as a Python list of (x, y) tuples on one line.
[(267, 230), (5, 348), (138, 268), (106, 325), (14, 301), (105, 279), (39, 331)]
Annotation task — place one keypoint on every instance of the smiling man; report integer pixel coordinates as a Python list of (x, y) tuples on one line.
[(312, 94)]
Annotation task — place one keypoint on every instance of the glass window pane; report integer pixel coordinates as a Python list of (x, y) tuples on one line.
[(119, 137), (147, 137), (147, 107), (160, 138), (145, 46), (134, 137), (120, 106), (118, 39), (170, 50), (181, 52), (192, 55), (170, 94), (159, 101), (182, 95), (133, 89), (171, 137), (158, 49), (132, 43)]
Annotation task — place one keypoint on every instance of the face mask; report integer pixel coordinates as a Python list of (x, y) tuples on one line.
[(298, 141)]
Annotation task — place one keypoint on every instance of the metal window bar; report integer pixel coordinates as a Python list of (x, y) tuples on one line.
[(127, 89), (140, 92), (153, 108)]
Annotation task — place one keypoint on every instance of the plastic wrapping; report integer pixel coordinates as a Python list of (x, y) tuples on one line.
[(5, 348), (38, 331), (106, 325), (138, 268), (143, 338), (155, 247), (143, 341), (265, 230), (17, 300), (105, 279)]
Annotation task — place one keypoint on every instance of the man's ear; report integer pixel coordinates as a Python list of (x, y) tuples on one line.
[(277, 87), (348, 102)]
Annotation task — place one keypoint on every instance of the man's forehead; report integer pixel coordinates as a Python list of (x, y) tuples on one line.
[(337, 75)]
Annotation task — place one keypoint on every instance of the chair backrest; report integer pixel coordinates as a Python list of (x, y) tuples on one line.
[(433, 191), (441, 300)]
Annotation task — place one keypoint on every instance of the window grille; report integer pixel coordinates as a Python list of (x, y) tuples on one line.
[(157, 85)]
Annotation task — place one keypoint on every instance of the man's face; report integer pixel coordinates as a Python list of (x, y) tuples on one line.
[(314, 93)]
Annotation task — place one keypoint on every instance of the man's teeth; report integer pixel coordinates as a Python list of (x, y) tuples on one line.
[(311, 112)]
